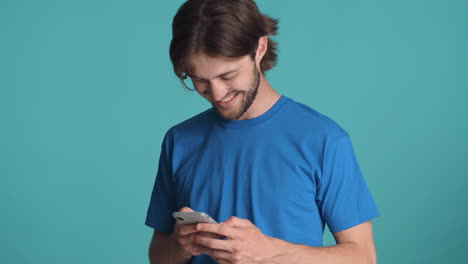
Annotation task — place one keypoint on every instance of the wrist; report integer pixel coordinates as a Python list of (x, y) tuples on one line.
[(282, 251)]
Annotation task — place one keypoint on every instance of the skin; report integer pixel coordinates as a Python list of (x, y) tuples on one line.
[(216, 78), (245, 243), (229, 78)]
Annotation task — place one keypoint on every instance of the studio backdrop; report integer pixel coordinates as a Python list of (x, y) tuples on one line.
[(87, 93)]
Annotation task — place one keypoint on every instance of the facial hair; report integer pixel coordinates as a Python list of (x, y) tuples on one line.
[(248, 98)]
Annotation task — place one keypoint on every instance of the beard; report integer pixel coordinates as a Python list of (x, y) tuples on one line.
[(247, 98)]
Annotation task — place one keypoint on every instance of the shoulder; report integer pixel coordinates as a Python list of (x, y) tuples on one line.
[(192, 126), (309, 120)]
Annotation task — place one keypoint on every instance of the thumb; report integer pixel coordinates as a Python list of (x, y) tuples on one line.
[(186, 209)]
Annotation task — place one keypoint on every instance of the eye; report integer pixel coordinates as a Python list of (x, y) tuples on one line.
[(196, 80), (229, 77)]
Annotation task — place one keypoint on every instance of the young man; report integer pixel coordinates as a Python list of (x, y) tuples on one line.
[(270, 170)]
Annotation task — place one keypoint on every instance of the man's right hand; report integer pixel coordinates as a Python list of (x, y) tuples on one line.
[(182, 237)]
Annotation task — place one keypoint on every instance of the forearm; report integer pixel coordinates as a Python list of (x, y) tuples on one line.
[(164, 250), (344, 253)]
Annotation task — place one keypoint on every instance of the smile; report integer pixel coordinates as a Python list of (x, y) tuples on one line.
[(228, 102), (229, 98)]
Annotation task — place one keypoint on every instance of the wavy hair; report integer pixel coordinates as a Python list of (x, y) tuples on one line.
[(226, 28)]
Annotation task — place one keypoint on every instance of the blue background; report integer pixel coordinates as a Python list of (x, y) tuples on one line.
[(87, 93)]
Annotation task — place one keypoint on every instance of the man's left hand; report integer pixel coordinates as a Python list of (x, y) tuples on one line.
[(244, 242)]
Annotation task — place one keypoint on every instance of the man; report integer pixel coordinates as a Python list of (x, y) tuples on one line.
[(270, 170)]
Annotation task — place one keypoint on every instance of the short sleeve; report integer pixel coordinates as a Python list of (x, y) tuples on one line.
[(342, 196), (162, 203)]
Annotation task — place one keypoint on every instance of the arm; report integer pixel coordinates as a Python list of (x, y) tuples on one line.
[(354, 245), (163, 249), (247, 244)]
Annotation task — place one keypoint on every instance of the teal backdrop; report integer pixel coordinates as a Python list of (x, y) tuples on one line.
[(87, 93)]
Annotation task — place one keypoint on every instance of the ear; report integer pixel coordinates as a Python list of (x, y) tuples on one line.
[(261, 51)]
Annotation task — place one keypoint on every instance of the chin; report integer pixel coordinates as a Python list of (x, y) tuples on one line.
[(228, 116), (232, 113)]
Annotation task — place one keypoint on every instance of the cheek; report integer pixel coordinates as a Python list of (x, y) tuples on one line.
[(244, 84), (238, 85), (205, 93), (201, 89)]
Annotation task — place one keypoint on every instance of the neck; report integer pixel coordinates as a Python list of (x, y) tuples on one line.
[(265, 99)]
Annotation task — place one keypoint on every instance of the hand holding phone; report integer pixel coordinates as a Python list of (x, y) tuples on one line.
[(184, 229)]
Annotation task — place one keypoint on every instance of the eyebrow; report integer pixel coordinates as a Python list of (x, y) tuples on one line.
[(219, 75)]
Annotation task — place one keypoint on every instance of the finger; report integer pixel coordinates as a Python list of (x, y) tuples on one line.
[(188, 245), (210, 235), (186, 209), (184, 240), (186, 229), (182, 245), (193, 249), (219, 255), (238, 222), (220, 229), (213, 243)]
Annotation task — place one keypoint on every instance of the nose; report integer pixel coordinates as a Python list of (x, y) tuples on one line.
[(218, 89)]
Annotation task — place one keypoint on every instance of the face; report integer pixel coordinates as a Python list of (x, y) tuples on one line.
[(230, 85)]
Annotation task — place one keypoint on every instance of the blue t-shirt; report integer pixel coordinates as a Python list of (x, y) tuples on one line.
[(290, 171)]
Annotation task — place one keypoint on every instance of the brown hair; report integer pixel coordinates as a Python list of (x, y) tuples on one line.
[(227, 28)]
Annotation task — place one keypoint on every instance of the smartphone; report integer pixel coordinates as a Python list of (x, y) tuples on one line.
[(193, 217)]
